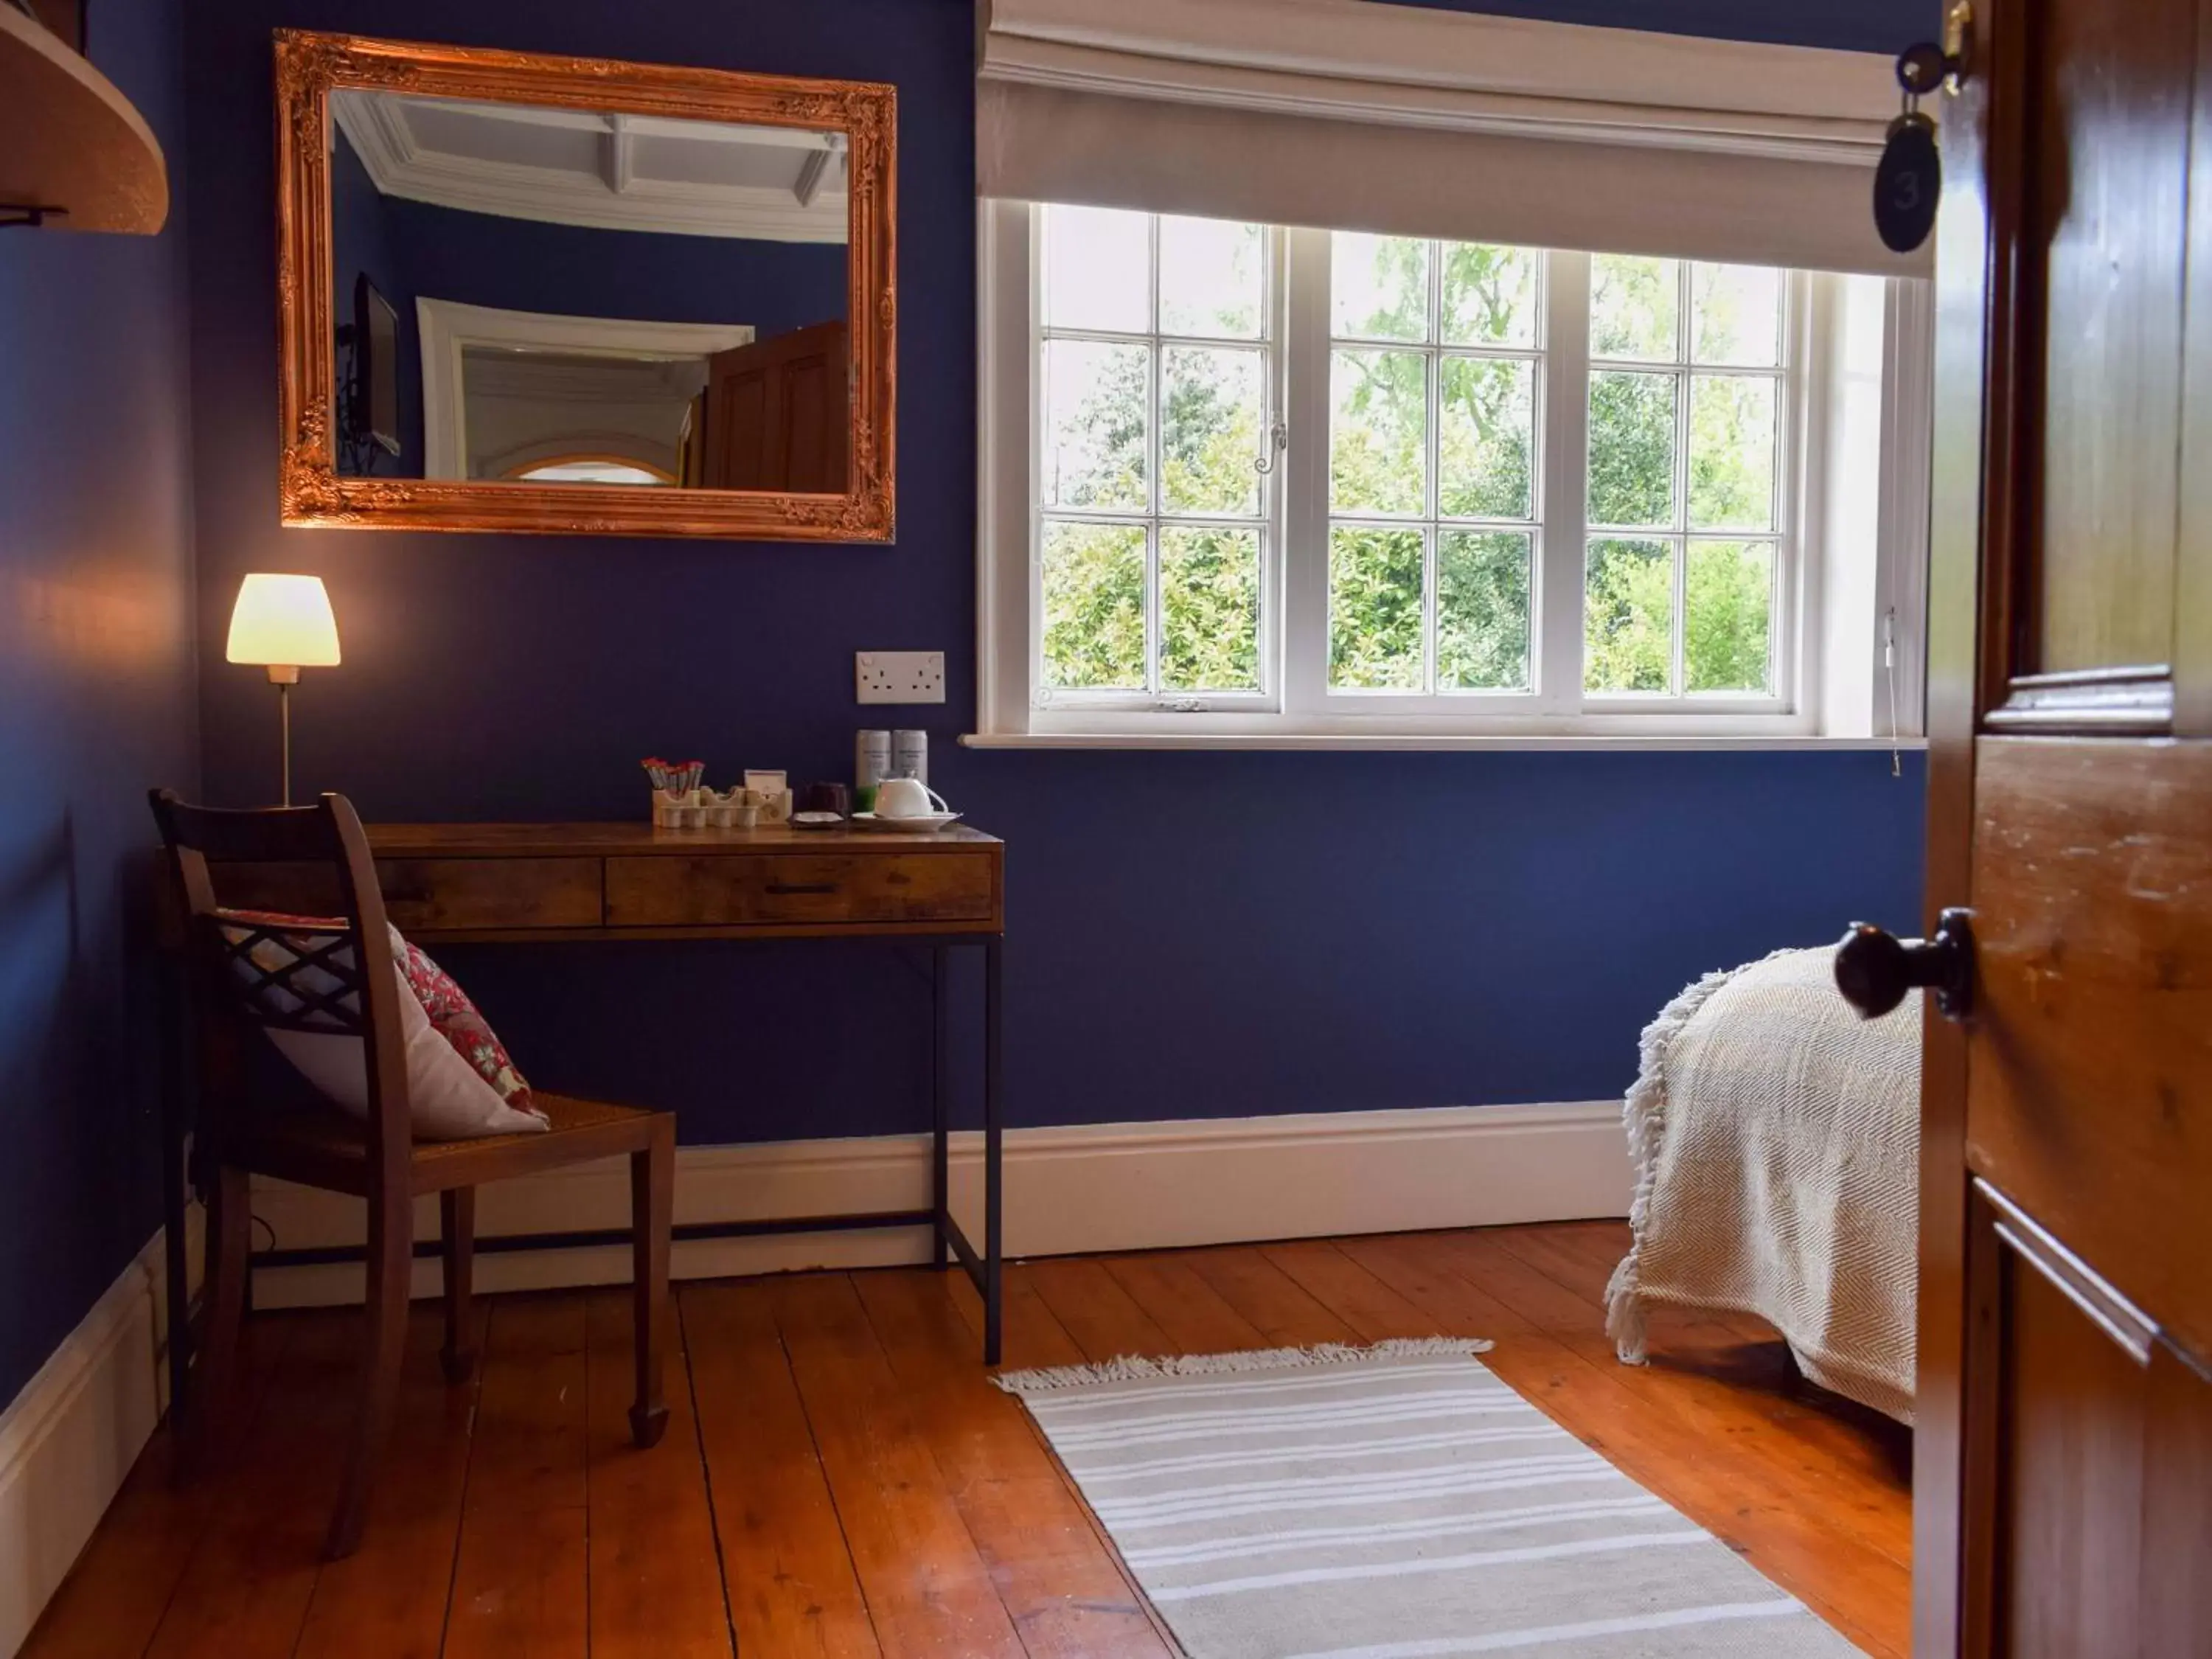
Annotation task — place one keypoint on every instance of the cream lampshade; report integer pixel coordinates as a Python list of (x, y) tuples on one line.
[(284, 623)]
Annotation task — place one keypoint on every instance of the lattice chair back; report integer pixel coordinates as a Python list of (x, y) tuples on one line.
[(322, 976)]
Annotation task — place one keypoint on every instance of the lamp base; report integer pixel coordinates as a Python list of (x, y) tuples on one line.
[(285, 726)]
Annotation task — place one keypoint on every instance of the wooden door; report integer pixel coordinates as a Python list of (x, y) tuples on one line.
[(2063, 1461), (778, 413)]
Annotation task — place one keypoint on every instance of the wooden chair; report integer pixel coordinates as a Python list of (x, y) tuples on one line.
[(379, 1160)]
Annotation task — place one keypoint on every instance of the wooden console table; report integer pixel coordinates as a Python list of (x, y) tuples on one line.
[(528, 884)]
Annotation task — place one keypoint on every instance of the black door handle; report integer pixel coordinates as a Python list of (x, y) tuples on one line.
[(1875, 969)]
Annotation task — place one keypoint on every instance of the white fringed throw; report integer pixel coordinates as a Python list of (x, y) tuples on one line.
[(1396, 1502), (1776, 1138)]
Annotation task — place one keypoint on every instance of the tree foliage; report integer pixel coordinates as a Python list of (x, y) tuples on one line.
[(1416, 354)]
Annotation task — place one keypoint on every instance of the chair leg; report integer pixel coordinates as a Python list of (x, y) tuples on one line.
[(229, 1240), (652, 1207), (457, 1216), (391, 1261)]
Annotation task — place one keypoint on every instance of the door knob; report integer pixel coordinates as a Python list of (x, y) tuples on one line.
[(1875, 969)]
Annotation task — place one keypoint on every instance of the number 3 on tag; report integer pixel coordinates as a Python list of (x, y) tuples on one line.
[(1908, 182)]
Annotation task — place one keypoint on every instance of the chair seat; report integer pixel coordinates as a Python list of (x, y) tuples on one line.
[(330, 1148)]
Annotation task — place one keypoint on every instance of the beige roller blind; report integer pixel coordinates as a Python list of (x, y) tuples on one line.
[(1395, 118)]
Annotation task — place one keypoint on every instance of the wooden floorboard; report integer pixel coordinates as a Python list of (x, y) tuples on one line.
[(519, 1581), (927, 1587), (1054, 1570), (388, 1599), (789, 1571), (122, 1586), (245, 1589), (840, 1477), (655, 1580)]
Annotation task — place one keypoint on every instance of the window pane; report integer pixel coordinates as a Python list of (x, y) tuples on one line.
[(1632, 449), (1210, 422), (1482, 610), (1209, 608), (1375, 609), (1633, 304), (1379, 286), (1210, 277), (1728, 600), (1736, 312), (1731, 452), (1378, 431), (1489, 295), (1097, 402), (1097, 269), (1094, 605), (1486, 438), (1628, 616)]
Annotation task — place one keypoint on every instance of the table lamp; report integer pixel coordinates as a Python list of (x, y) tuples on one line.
[(284, 623)]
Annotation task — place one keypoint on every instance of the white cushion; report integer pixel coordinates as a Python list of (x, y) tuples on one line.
[(449, 1099)]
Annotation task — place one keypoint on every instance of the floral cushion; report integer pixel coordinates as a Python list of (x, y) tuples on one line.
[(459, 1021), (460, 1081)]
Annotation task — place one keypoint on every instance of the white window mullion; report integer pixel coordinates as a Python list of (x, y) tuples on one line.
[(1304, 483), (1685, 389), (1811, 372), (1156, 390), (1432, 372), (1274, 538), (1558, 596)]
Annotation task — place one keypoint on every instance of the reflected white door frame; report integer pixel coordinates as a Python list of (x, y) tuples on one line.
[(448, 328)]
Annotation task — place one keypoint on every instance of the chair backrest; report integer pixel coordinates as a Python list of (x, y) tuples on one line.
[(328, 975)]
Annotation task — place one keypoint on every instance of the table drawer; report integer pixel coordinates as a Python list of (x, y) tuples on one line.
[(672, 891), (447, 894)]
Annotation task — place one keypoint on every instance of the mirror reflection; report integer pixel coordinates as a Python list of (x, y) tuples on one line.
[(537, 295)]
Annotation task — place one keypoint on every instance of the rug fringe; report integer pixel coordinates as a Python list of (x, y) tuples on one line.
[(1131, 1368)]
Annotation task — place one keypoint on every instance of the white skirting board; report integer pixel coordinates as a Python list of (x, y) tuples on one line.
[(1068, 1191), (71, 1436)]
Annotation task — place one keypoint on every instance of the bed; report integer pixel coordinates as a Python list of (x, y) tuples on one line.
[(1776, 1140)]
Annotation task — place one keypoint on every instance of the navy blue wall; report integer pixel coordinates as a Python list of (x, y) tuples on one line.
[(96, 702), (1192, 934)]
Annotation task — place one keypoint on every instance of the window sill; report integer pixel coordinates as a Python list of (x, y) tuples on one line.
[(1592, 743)]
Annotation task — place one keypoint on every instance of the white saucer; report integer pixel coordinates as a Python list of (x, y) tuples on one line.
[(918, 821)]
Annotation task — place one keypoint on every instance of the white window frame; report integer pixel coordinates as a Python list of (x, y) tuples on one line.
[(1295, 708), (1156, 516)]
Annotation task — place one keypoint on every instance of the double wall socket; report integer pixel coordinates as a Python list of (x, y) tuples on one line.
[(899, 676)]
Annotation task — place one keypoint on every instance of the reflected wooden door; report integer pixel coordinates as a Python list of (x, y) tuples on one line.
[(2063, 1479), (778, 413)]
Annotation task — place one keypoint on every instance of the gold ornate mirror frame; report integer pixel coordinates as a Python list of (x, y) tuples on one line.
[(310, 66)]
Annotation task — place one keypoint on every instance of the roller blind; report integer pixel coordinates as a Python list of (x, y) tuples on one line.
[(1412, 121)]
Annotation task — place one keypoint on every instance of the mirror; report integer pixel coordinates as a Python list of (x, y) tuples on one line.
[(541, 293)]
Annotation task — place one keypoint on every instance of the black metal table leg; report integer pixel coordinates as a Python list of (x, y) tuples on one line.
[(940, 1157), (994, 1136)]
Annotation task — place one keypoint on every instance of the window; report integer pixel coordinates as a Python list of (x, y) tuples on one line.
[(1278, 482), (1157, 366), (1435, 351), (1688, 377)]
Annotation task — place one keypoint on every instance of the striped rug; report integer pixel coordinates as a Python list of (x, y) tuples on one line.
[(1391, 1503)]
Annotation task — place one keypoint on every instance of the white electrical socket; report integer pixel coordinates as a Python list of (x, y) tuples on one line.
[(899, 676)]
